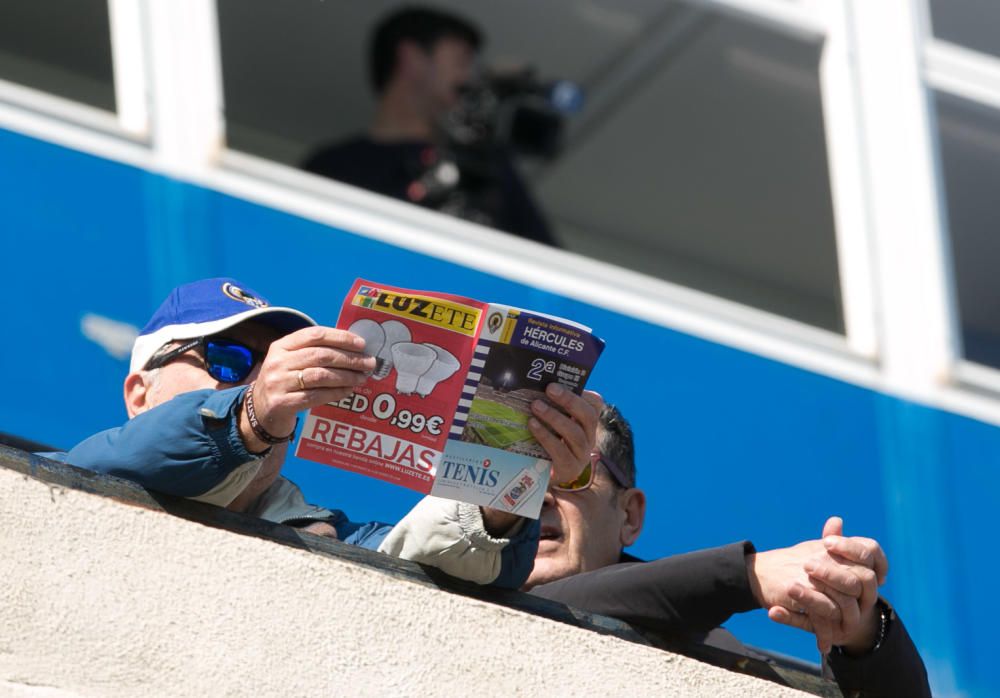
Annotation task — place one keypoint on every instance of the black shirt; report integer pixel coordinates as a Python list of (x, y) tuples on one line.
[(692, 594), (489, 189)]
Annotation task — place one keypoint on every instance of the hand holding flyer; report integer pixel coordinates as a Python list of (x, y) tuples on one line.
[(446, 410)]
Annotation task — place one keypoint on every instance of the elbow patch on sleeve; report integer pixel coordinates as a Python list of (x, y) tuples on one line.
[(235, 482)]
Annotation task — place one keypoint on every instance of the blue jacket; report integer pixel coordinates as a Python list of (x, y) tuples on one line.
[(191, 447)]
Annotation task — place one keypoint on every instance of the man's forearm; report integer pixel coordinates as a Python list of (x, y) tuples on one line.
[(693, 592), (186, 446), (452, 536)]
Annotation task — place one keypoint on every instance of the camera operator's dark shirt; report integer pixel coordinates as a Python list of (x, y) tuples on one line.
[(489, 191)]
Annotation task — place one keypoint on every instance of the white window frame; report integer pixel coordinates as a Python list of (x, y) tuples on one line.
[(962, 72), (918, 341), (130, 64), (185, 69)]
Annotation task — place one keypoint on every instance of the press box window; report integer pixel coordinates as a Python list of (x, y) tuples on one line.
[(969, 23), (711, 171), (707, 168), (59, 46), (969, 134)]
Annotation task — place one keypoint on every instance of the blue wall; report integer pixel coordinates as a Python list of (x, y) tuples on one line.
[(730, 445)]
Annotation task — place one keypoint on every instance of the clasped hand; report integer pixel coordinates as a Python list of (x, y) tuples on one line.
[(828, 587)]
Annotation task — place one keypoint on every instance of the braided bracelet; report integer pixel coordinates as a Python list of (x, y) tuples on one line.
[(255, 424)]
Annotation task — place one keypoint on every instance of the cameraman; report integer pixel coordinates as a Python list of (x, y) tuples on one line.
[(419, 60)]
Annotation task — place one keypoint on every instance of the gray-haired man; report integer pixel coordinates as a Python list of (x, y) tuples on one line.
[(827, 586)]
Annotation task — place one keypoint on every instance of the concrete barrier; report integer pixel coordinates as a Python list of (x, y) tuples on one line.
[(106, 593)]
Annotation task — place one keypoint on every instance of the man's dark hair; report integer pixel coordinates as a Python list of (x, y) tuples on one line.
[(615, 442), (421, 25)]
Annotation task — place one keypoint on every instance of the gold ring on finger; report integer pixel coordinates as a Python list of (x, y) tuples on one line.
[(302, 385)]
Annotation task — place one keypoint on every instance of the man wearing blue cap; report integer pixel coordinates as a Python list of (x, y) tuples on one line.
[(216, 380)]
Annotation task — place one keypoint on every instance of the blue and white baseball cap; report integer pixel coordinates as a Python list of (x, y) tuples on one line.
[(208, 307)]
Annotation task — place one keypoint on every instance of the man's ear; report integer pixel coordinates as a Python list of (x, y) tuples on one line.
[(633, 504), (137, 396)]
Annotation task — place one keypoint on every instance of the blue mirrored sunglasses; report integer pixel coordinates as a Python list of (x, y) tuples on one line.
[(225, 360)]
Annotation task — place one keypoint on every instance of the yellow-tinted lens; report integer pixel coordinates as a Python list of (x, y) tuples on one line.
[(580, 482)]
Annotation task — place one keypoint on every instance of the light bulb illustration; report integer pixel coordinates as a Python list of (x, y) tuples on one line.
[(395, 332), (443, 367), (374, 337), (411, 361)]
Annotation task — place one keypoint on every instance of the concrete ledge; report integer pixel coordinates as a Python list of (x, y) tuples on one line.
[(112, 590)]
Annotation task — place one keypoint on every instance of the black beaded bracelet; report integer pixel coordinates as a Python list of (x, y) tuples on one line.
[(255, 424), (885, 615), (883, 626)]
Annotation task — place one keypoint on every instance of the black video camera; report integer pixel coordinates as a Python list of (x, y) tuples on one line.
[(512, 109), (503, 111)]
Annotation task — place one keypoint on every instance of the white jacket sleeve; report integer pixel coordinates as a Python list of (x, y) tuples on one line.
[(451, 536)]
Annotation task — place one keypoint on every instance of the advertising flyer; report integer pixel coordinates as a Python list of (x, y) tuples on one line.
[(446, 410)]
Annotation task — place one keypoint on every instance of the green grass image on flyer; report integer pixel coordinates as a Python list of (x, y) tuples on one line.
[(497, 425)]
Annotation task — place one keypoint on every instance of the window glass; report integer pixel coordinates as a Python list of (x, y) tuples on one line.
[(712, 173), (60, 46), (698, 156), (969, 135), (969, 23)]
